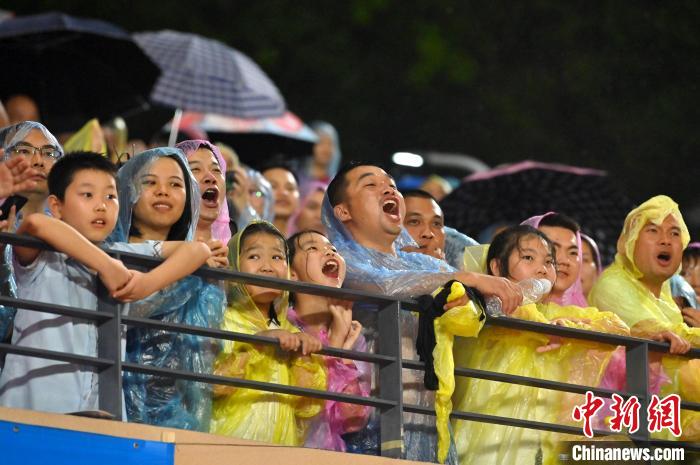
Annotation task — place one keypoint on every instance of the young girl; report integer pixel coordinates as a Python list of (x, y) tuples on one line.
[(254, 414), (517, 253), (159, 201), (314, 260)]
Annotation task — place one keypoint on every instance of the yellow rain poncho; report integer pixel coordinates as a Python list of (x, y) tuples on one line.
[(89, 138), (619, 290), (254, 414), (466, 321)]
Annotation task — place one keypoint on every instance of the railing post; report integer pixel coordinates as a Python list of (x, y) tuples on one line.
[(638, 385), (390, 385), (109, 343)]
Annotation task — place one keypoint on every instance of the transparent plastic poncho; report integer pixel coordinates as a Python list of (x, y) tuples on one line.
[(619, 290), (455, 245), (9, 137), (254, 414), (192, 301), (262, 187), (402, 275)]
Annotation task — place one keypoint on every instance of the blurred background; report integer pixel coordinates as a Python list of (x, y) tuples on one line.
[(608, 85)]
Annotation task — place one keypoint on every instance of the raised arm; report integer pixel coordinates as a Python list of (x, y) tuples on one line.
[(181, 260), (62, 237)]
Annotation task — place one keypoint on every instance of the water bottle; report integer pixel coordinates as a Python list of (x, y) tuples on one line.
[(533, 290)]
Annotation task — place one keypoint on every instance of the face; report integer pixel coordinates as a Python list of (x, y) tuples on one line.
[(323, 150), (426, 225), (163, 196), (589, 268), (532, 259), (40, 163), (285, 190), (568, 264), (89, 204), (317, 261), (212, 185), (373, 207), (310, 216), (691, 273), (263, 254), (658, 250)]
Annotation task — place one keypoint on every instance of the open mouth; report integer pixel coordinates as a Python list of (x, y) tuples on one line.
[(391, 208), (210, 197), (99, 223), (331, 269), (664, 258)]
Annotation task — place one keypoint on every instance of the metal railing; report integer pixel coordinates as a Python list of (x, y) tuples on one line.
[(388, 400)]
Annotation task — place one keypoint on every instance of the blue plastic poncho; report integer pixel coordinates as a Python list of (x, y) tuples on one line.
[(402, 275), (455, 243), (191, 301)]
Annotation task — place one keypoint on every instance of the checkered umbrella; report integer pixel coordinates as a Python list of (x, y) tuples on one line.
[(204, 75), (513, 193)]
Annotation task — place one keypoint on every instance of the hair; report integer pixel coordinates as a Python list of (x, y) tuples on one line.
[(594, 249), (508, 240), (420, 193), (691, 254), (293, 242), (339, 184), (561, 221), (263, 227), (63, 171), (179, 230), (281, 166)]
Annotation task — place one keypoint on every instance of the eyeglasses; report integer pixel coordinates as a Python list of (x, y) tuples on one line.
[(48, 152)]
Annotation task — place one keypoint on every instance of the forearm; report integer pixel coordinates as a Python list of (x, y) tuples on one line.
[(63, 238), (182, 260)]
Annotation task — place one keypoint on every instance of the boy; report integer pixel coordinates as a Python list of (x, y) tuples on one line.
[(83, 202)]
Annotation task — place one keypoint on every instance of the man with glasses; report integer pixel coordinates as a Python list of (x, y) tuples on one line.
[(34, 143)]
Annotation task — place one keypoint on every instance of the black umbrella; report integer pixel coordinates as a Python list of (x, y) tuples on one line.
[(513, 193), (75, 68)]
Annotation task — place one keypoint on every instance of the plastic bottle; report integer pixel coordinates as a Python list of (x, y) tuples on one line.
[(533, 290)]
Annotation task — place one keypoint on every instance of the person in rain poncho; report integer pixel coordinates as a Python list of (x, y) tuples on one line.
[(159, 201), (313, 259), (636, 287), (208, 168), (308, 215), (575, 361), (324, 163), (363, 214), (591, 265), (254, 414), (33, 142)]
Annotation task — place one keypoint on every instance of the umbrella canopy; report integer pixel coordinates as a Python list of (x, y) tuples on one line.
[(74, 68), (509, 195), (255, 139), (204, 75)]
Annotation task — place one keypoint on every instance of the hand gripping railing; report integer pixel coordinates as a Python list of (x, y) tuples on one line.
[(108, 320)]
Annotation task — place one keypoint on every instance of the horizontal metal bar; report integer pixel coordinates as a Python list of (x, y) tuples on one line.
[(257, 385), (471, 416), (54, 355), (92, 315), (605, 338), (233, 336), (685, 405), (522, 380), (691, 446)]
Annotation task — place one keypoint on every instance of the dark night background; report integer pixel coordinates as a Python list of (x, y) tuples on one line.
[(608, 84)]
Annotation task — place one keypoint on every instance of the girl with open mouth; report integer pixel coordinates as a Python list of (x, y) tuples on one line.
[(314, 260)]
